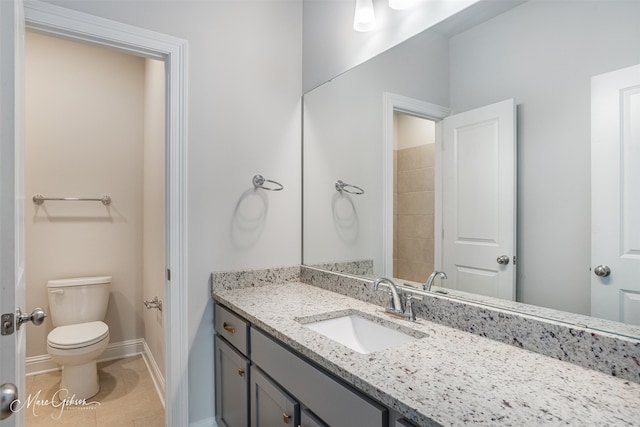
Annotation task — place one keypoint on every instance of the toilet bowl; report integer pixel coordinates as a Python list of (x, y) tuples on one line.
[(77, 308), (76, 348)]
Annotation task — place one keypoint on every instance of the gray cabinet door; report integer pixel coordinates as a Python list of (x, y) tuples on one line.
[(232, 386), (307, 419), (270, 405)]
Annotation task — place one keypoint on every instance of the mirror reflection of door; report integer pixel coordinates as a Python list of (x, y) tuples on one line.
[(479, 200), (615, 204), (477, 166)]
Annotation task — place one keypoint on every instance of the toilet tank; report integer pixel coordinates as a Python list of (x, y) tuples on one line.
[(78, 300)]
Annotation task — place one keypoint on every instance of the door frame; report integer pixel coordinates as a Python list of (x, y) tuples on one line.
[(69, 24), (12, 292), (415, 107)]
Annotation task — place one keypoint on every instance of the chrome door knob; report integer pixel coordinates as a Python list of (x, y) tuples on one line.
[(602, 270), (503, 260), (8, 395), (36, 317)]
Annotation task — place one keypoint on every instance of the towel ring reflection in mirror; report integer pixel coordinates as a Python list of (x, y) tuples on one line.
[(259, 180), (348, 188)]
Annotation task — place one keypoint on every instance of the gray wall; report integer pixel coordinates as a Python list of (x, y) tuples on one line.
[(343, 140), (543, 54)]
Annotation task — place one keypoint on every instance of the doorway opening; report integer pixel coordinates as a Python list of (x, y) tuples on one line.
[(414, 197), (415, 114), (95, 124), (67, 24)]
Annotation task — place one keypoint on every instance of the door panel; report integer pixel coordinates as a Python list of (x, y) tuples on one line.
[(615, 200), (478, 200), (477, 187), (477, 280)]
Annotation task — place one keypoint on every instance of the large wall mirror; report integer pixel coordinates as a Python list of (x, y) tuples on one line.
[(381, 129)]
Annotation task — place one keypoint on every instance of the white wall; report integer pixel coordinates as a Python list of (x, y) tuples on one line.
[(414, 131), (543, 54), (84, 138), (343, 140), (243, 118), (331, 46)]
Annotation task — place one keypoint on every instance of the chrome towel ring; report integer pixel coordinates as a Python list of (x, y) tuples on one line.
[(259, 180), (348, 188)]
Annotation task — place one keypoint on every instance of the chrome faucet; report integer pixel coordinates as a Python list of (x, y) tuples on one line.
[(427, 285), (395, 303)]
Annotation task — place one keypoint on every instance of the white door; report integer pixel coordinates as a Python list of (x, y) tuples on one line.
[(615, 195), (479, 200), (12, 345)]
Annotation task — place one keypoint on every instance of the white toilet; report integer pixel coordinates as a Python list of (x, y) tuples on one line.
[(77, 308)]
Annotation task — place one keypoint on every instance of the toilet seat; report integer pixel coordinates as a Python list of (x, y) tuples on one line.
[(77, 336)]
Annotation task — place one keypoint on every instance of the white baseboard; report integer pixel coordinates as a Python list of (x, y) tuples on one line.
[(120, 350), (207, 422), (43, 363), (154, 371), (35, 365)]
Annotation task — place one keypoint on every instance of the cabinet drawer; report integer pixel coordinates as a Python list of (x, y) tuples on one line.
[(333, 402), (232, 328)]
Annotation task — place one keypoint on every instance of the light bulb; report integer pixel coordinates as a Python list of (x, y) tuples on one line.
[(399, 4), (364, 18)]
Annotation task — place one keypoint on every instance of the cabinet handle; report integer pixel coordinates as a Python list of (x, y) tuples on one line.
[(228, 328), (241, 372), (286, 417)]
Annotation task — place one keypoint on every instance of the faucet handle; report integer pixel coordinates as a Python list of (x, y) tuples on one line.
[(409, 315)]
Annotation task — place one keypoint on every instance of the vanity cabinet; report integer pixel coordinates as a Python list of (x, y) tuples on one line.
[(260, 382)]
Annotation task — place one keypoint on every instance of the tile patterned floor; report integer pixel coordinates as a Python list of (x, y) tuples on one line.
[(127, 397)]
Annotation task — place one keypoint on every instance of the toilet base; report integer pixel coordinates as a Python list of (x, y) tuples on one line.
[(81, 381)]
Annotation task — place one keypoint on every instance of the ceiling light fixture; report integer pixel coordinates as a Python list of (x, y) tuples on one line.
[(364, 18), (399, 4)]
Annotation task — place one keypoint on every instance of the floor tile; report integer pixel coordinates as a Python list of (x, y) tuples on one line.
[(127, 397)]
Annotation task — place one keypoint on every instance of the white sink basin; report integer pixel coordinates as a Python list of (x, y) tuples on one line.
[(360, 334)]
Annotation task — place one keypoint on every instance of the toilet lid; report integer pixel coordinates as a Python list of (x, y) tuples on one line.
[(76, 336)]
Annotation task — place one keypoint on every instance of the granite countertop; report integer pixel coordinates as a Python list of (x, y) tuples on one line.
[(449, 377)]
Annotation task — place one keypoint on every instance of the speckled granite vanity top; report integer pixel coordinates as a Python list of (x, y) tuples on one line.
[(449, 377)]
